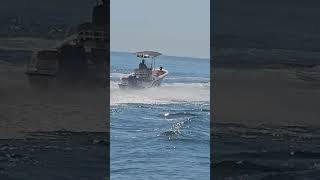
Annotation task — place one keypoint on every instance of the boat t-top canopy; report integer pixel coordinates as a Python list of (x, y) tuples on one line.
[(147, 54)]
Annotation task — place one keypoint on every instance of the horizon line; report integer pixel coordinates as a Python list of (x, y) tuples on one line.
[(204, 58)]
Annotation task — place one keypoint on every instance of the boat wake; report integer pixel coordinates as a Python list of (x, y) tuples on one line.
[(167, 93)]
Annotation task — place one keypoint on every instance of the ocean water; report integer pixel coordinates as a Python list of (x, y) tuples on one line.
[(164, 132), (267, 115), (266, 152), (48, 131)]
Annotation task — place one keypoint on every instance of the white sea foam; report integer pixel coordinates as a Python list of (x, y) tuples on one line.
[(116, 76), (167, 93), (187, 79)]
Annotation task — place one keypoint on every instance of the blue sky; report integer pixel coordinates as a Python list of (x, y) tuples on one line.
[(173, 27)]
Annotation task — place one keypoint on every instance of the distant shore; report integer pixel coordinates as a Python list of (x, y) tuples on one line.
[(165, 55)]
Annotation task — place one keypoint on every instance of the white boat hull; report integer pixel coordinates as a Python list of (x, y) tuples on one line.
[(139, 84)]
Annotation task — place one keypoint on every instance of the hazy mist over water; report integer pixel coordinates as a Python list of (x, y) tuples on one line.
[(267, 90), (49, 129)]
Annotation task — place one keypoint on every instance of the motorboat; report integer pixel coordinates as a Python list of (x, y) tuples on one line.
[(145, 76)]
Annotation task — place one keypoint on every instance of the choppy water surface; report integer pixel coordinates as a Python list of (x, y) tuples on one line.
[(48, 131), (161, 133), (267, 124), (54, 155), (266, 152)]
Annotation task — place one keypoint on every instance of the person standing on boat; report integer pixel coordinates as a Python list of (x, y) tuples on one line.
[(142, 65)]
